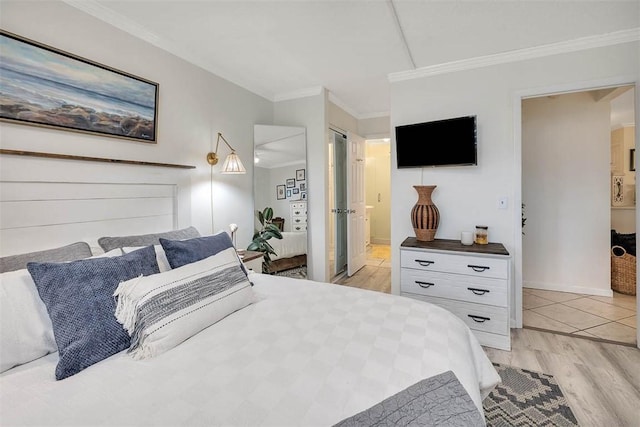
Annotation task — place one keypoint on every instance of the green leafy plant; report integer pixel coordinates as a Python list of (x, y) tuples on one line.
[(268, 230)]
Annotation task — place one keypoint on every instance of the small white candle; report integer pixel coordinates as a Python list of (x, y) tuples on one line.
[(466, 238)]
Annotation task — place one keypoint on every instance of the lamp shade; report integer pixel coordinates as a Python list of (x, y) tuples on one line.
[(233, 165)]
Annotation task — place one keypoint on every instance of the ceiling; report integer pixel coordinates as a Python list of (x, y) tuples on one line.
[(289, 48)]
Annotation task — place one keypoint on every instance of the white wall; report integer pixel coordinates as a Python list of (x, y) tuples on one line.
[(193, 106), (341, 120), (566, 177), (263, 195), (375, 127), (311, 113), (467, 196), (623, 220)]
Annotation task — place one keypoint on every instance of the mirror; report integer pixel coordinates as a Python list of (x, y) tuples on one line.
[(280, 182)]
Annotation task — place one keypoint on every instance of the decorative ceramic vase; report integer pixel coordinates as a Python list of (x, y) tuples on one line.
[(425, 216)]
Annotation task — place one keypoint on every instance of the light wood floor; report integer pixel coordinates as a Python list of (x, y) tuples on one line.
[(600, 381), (376, 274)]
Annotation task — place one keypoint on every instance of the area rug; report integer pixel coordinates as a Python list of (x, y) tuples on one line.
[(526, 398), (297, 273)]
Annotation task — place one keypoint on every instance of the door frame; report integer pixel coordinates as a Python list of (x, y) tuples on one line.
[(517, 98)]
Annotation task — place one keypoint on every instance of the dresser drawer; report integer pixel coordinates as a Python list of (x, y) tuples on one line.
[(458, 264), (299, 220), (478, 317), (299, 227), (298, 209), (481, 290)]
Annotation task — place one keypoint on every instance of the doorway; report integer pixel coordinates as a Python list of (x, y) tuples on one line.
[(337, 203), (376, 272), (569, 171), (378, 199)]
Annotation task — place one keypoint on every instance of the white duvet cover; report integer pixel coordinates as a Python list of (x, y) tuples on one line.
[(292, 243), (306, 353)]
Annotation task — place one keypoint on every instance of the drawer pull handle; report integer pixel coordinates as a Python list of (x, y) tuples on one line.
[(425, 285), (478, 268), (424, 263), (477, 291), (478, 319)]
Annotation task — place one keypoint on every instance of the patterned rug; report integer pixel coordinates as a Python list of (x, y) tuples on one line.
[(297, 273), (526, 398)]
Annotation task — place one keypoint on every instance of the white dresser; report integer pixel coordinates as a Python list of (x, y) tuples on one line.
[(298, 211), (473, 282)]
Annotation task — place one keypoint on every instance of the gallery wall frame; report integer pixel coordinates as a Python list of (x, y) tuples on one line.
[(280, 192), (48, 87), (291, 183), (300, 174)]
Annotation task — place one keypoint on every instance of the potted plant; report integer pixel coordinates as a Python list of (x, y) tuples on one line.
[(268, 230)]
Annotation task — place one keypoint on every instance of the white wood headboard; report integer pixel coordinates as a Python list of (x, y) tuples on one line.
[(71, 202)]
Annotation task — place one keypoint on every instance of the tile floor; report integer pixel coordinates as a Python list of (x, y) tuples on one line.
[(610, 318)]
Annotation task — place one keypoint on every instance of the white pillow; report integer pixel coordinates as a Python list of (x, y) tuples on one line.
[(162, 310), (26, 332), (161, 257)]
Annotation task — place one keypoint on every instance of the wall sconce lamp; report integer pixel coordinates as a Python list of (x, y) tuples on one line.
[(232, 164)]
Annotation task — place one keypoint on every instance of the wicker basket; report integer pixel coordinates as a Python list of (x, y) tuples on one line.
[(623, 271)]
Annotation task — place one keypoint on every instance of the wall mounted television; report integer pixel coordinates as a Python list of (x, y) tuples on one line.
[(448, 142)]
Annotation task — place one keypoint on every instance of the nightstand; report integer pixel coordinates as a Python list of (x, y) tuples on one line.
[(252, 260)]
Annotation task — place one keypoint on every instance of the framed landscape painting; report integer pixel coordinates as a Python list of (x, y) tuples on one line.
[(43, 86)]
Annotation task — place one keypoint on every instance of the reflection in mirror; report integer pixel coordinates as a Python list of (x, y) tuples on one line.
[(280, 182)]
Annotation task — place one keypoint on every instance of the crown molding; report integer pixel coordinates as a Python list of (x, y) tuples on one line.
[(95, 9), (575, 45), (107, 15), (302, 93), (374, 115), (337, 101)]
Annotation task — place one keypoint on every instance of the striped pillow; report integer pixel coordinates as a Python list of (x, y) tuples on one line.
[(161, 311)]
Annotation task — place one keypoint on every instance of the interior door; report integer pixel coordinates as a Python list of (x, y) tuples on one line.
[(356, 210)]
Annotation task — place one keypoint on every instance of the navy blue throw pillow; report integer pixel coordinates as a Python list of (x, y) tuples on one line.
[(79, 298), (183, 252)]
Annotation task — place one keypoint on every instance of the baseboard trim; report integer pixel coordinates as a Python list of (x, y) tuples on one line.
[(565, 288)]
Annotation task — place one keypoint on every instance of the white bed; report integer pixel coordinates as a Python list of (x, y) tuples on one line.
[(292, 243), (291, 251), (306, 353)]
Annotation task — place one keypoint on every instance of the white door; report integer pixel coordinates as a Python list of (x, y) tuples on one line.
[(356, 247)]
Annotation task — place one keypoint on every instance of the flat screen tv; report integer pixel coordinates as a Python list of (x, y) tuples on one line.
[(449, 142)]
